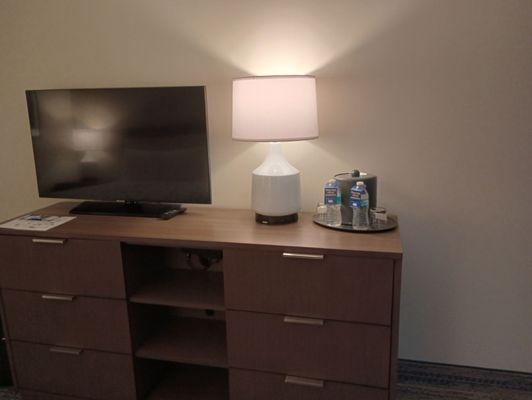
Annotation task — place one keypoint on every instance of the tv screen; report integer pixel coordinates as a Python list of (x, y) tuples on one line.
[(132, 144)]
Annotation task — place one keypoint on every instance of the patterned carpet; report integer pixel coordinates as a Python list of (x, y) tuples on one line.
[(426, 381)]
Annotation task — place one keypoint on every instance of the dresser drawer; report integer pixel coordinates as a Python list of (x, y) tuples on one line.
[(80, 267), (253, 385), (63, 320), (333, 287), (63, 371), (336, 351)]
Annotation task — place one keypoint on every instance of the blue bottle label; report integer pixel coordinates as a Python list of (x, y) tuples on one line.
[(362, 203), (330, 195), (358, 199)]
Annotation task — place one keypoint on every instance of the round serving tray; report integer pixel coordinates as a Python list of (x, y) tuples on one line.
[(390, 224)]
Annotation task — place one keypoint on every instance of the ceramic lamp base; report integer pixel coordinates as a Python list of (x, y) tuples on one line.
[(275, 190)]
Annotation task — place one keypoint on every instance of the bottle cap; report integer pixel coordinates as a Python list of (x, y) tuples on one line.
[(360, 183), (331, 181)]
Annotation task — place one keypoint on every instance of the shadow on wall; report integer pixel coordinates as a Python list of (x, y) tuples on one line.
[(430, 106)]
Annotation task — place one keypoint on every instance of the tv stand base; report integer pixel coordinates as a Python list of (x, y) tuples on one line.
[(129, 209)]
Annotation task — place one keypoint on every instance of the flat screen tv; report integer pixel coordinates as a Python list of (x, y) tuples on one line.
[(131, 145)]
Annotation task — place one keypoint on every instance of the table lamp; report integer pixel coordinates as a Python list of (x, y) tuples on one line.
[(275, 109)]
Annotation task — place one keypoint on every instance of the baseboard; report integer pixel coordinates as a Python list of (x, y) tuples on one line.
[(467, 366)]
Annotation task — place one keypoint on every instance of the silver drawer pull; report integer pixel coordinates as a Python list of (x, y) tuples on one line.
[(296, 380), (57, 297), (48, 241), (304, 256), (303, 321), (66, 350)]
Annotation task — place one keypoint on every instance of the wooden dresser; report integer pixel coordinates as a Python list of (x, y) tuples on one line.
[(116, 308)]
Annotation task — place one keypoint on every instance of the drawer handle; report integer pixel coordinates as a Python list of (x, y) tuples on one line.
[(296, 380), (66, 350), (303, 321), (57, 297), (48, 241), (304, 256)]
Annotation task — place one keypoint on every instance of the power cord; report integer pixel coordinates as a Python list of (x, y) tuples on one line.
[(203, 260)]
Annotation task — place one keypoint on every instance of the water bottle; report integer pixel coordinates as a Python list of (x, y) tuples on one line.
[(359, 202), (333, 201)]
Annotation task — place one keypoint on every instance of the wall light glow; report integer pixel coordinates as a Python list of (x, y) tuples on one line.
[(288, 37)]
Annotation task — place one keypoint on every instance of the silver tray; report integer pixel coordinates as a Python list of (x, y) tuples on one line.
[(390, 224)]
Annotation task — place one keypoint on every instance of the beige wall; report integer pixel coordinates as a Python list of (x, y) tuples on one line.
[(434, 97)]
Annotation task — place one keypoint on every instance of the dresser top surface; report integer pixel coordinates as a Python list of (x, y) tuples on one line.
[(216, 227)]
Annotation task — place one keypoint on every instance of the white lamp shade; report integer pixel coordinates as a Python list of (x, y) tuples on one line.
[(275, 108)]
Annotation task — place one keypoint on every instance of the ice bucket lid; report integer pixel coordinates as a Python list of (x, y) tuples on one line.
[(355, 175)]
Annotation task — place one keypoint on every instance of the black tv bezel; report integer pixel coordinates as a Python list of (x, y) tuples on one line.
[(126, 200)]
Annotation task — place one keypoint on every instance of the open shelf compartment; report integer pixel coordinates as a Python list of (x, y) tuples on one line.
[(186, 382), (174, 277), (187, 340), (182, 288)]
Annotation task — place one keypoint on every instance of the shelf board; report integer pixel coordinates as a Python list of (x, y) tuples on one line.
[(192, 383), (184, 288), (188, 340)]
